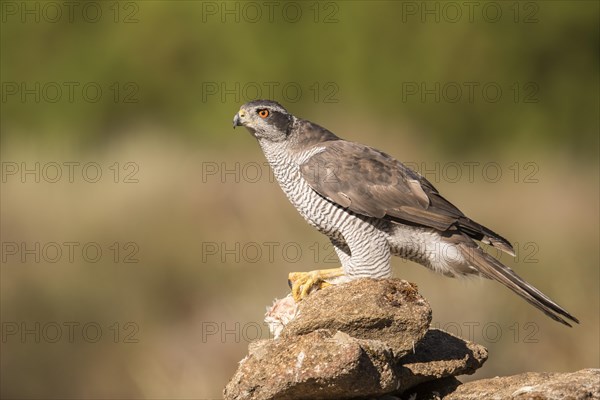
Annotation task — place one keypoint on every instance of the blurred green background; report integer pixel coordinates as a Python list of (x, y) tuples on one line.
[(496, 103)]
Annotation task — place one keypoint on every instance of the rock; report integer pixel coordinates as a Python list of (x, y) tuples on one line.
[(390, 310), (583, 384), (369, 339), (440, 355), (319, 365), (333, 365), (361, 348)]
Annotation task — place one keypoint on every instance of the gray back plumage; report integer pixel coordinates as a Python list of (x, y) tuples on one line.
[(372, 183)]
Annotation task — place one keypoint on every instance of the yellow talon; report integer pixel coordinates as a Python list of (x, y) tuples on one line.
[(303, 283)]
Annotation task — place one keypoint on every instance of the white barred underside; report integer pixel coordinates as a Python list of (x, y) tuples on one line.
[(364, 245)]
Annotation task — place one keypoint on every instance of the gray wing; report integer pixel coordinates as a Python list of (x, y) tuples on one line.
[(372, 183)]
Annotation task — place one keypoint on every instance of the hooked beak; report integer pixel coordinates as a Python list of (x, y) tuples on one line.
[(237, 121)]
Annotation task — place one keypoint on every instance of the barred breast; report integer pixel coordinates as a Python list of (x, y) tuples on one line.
[(365, 239)]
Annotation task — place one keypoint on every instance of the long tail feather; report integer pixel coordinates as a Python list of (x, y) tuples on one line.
[(494, 269)]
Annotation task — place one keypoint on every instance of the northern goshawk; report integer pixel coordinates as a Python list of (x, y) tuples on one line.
[(372, 206)]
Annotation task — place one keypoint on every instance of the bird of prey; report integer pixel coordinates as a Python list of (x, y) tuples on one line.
[(371, 206)]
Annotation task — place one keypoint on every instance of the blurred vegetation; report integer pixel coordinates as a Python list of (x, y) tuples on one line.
[(354, 73), (370, 51)]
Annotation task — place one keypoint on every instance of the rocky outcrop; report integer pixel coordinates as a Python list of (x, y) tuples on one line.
[(361, 339), (370, 339)]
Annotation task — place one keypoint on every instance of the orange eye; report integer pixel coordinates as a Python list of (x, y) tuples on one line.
[(264, 113)]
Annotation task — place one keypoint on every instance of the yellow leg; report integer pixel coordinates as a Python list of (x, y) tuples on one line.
[(304, 282)]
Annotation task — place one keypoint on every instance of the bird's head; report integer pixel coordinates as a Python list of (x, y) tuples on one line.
[(265, 119)]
